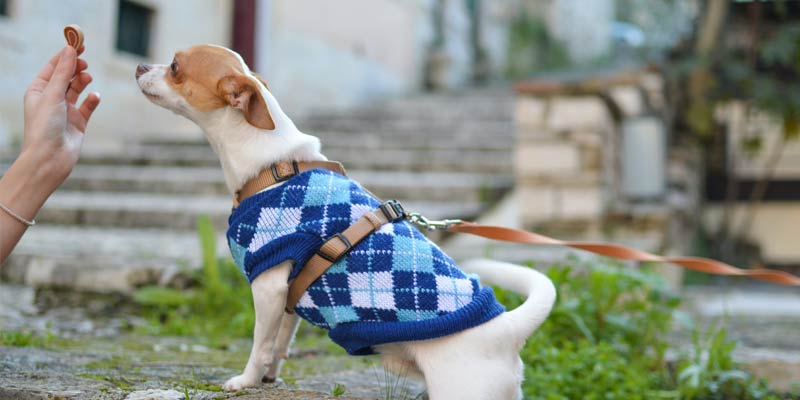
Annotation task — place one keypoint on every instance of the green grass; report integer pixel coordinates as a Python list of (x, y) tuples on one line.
[(26, 338), (219, 308)]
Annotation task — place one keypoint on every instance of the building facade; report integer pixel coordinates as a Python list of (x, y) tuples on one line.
[(314, 54)]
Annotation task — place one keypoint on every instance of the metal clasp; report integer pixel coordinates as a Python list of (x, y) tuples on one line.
[(432, 225)]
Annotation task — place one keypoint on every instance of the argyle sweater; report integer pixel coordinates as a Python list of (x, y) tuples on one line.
[(395, 285)]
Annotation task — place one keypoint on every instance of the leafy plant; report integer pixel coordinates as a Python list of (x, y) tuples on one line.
[(338, 389), (606, 339), (219, 307)]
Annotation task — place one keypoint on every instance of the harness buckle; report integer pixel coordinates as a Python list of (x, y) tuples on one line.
[(333, 258), (277, 176), (393, 210)]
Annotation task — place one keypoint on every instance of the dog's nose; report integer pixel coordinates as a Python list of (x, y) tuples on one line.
[(142, 69)]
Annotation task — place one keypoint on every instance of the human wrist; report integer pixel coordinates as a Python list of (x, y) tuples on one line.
[(28, 182), (45, 165)]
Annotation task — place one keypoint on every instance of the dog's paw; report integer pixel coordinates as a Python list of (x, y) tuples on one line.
[(238, 383)]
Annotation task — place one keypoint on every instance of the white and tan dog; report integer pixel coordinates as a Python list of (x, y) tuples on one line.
[(247, 129)]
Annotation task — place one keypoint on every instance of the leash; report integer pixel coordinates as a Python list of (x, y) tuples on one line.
[(505, 234)]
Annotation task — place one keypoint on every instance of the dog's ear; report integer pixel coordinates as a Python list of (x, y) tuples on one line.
[(260, 79), (242, 92)]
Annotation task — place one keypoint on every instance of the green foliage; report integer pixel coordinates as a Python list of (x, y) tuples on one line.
[(709, 372), (532, 49), (606, 339), (338, 390), (762, 72), (220, 307), (25, 338)]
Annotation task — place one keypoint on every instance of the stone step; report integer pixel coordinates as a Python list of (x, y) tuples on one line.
[(196, 180), (210, 181), (134, 210), (180, 212), (377, 140), (430, 159), (452, 160), (443, 127), (191, 156), (103, 259)]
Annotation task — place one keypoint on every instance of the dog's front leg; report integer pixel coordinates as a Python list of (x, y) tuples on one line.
[(289, 325), (269, 298)]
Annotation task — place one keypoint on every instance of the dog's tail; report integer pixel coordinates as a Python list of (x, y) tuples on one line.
[(539, 290)]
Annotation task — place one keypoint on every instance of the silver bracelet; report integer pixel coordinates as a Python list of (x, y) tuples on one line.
[(17, 216)]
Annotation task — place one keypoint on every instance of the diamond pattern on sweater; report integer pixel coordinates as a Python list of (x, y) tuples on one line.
[(394, 275)]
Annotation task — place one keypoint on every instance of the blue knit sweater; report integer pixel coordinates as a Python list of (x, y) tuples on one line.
[(396, 285)]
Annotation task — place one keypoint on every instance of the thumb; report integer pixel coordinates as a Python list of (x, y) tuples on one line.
[(62, 75)]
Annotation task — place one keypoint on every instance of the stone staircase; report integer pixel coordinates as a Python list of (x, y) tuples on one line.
[(127, 219)]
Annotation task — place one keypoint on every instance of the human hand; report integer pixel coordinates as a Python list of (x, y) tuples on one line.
[(54, 124)]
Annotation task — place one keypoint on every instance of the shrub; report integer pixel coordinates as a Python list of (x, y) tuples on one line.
[(606, 339)]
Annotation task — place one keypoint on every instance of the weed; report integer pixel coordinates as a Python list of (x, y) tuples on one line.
[(219, 308), (25, 338), (338, 390)]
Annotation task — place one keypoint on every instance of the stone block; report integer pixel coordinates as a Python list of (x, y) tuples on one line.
[(529, 112), (536, 203), (534, 158), (653, 85), (629, 99), (579, 112), (593, 138), (591, 158), (580, 202)]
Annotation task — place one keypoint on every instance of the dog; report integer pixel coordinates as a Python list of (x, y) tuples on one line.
[(244, 124)]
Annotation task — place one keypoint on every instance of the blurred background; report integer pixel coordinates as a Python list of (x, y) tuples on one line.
[(669, 126)]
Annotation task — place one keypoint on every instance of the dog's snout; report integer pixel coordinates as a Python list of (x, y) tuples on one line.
[(142, 69)]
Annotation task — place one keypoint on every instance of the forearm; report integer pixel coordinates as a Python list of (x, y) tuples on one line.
[(23, 188)]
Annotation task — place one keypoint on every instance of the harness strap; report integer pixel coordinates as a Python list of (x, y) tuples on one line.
[(279, 172), (616, 251), (338, 245)]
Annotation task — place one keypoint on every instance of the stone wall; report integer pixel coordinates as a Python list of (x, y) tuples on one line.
[(593, 161)]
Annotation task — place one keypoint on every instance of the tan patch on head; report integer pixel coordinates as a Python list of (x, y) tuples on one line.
[(198, 70)]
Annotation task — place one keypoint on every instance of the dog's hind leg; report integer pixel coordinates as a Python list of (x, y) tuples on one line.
[(476, 377), (269, 298), (280, 353)]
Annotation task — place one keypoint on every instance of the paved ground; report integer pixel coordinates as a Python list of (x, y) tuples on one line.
[(88, 352)]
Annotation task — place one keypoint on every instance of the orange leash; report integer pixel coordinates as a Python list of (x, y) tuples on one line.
[(616, 251)]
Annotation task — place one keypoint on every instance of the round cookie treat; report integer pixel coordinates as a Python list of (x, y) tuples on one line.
[(74, 36)]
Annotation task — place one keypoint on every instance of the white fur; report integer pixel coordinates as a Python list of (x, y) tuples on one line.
[(478, 363)]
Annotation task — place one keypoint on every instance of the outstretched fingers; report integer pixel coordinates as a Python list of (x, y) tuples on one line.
[(77, 86), (87, 108)]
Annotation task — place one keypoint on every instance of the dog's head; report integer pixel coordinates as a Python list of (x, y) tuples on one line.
[(203, 79)]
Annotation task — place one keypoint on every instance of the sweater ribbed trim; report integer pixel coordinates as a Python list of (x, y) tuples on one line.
[(358, 338)]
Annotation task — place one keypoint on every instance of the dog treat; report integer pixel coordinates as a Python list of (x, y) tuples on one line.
[(74, 36)]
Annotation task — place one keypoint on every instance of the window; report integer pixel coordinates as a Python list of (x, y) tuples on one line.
[(4, 7), (133, 28)]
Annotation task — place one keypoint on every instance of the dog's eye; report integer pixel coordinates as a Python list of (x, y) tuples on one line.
[(174, 67)]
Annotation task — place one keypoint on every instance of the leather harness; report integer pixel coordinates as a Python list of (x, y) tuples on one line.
[(338, 245)]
